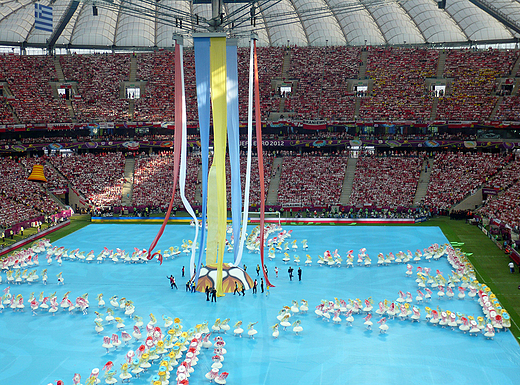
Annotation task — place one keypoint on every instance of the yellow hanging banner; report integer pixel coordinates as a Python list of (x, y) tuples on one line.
[(212, 218), (219, 104)]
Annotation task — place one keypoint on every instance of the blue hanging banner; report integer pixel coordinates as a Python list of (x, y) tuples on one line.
[(233, 140), (202, 72)]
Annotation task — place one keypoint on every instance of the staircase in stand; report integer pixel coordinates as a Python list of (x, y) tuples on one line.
[(8, 93), (439, 74), (132, 77), (496, 107), (348, 181), (424, 180), (58, 201), (131, 108), (286, 63), (433, 115), (128, 185), (516, 67), (198, 189), (133, 69), (72, 191), (362, 72), (272, 192), (71, 110), (59, 71), (282, 105), (363, 65), (285, 69), (441, 64), (471, 202), (357, 107), (61, 78), (13, 112)]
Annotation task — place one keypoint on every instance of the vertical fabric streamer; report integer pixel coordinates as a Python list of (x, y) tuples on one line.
[(260, 165), (176, 153), (184, 149), (201, 47), (245, 214), (212, 233), (234, 141), (219, 104)]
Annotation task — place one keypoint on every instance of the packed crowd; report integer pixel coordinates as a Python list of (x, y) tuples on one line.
[(311, 180), (254, 193), (153, 180), (509, 109), (158, 70), (6, 116), (319, 75), (399, 91), (474, 75), (387, 181), (55, 181), (158, 101), (322, 89), (99, 178), (506, 205), (99, 80), (270, 61), (457, 174), (342, 64), (28, 78), (507, 176), (20, 199)]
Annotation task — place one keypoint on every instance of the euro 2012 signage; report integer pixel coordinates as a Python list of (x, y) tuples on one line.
[(265, 143)]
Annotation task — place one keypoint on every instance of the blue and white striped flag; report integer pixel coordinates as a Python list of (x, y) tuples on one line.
[(42, 17)]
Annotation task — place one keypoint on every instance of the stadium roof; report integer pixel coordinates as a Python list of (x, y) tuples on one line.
[(143, 24)]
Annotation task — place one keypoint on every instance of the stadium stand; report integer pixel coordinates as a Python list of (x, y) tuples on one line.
[(388, 181), (399, 91), (474, 74), (311, 180), (20, 200), (322, 75), (158, 101), (28, 78), (270, 61), (99, 80), (254, 193), (457, 174), (99, 178), (153, 180), (506, 205)]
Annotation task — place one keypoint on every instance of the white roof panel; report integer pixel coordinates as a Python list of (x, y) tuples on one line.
[(277, 22), (477, 24), (435, 24)]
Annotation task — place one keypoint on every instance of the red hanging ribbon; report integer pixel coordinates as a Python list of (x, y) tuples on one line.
[(260, 165), (176, 148)]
